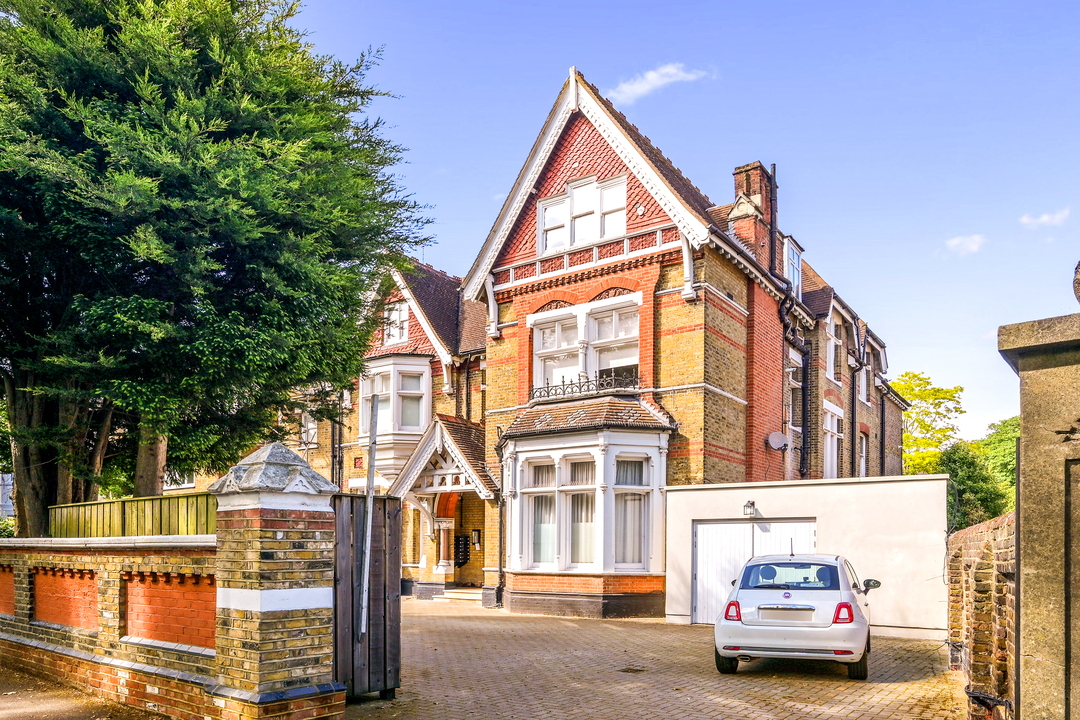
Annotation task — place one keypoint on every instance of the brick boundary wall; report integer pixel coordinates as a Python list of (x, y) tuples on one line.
[(106, 657), (982, 611)]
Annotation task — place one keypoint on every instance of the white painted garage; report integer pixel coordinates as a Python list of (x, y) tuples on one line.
[(892, 529)]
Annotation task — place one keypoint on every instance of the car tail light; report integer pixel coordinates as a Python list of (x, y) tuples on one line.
[(844, 614), (842, 652), (732, 612), (732, 647)]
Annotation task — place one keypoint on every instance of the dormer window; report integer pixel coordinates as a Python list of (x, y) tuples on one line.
[(794, 269), (396, 329), (589, 211)]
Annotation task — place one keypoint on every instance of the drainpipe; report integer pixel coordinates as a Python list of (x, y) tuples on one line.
[(502, 521), (881, 438), (860, 363)]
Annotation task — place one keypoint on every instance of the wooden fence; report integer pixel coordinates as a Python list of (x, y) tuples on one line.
[(194, 514), (367, 662)]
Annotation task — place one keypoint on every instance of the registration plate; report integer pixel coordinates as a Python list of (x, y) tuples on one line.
[(786, 614)]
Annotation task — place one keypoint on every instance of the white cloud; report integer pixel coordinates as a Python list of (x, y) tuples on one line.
[(631, 90), (1055, 219), (965, 244)]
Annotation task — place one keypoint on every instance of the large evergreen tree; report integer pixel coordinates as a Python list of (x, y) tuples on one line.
[(192, 207)]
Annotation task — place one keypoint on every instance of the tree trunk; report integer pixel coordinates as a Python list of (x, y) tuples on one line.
[(150, 462), (26, 413), (97, 457), (72, 461)]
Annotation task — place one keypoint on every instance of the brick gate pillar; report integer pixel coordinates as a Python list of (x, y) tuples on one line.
[(1046, 355), (275, 596)]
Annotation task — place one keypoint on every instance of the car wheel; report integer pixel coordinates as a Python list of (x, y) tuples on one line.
[(725, 665), (858, 670)]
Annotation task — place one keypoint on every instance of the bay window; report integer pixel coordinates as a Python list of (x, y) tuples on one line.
[(587, 507), (589, 211), (403, 387)]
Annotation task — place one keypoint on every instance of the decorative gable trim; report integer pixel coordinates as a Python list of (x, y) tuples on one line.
[(440, 349), (435, 440)]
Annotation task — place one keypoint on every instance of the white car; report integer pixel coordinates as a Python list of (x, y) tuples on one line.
[(809, 607)]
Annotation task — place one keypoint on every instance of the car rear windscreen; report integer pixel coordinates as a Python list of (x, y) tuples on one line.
[(790, 575)]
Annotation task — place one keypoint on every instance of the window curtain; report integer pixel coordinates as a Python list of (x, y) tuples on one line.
[(583, 473), (543, 476), (629, 472), (582, 533), (543, 528), (629, 527)]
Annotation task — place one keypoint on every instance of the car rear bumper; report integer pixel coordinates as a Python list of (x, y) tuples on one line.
[(812, 643)]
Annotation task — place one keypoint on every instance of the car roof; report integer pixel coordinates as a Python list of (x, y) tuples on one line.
[(831, 559)]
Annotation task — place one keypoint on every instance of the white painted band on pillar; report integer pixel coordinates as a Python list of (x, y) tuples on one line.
[(274, 501), (275, 600)]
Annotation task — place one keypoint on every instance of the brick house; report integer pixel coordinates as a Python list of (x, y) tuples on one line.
[(618, 333)]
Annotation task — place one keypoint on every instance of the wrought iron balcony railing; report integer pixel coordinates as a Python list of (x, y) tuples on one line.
[(580, 388)]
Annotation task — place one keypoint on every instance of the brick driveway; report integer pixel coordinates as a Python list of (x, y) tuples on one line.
[(461, 661)]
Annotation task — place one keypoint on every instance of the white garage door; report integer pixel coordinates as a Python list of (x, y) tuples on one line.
[(721, 548)]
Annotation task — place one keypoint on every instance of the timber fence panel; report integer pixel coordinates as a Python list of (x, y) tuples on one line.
[(194, 514)]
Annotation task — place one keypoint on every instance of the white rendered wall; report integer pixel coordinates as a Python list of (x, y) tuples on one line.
[(891, 529)]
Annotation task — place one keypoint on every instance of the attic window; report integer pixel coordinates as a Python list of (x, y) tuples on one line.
[(793, 269), (396, 328), (589, 211)]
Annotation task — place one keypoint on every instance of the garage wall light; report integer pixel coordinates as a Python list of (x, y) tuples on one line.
[(748, 509)]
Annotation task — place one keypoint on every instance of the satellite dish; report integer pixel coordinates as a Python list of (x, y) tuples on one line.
[(777, 441)]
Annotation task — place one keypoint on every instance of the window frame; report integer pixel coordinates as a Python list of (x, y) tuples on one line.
[(793, 268), (395, 368), (572, 213), (309, 431), (864, 451), (833, 365), (645, 491), (401, 307), (833, 437)]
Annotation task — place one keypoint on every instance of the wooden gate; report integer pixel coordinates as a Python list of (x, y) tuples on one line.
[(371, 661)]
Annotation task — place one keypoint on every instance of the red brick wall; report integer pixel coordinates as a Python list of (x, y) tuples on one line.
[(66, 597), (764, 384), (178, 699), (171, 608), (7, 590), (573, 583), (581, 151)]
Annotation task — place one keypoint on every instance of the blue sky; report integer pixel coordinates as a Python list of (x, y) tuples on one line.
[(928, 154)]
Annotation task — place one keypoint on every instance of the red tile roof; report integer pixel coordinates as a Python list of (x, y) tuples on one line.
[(589, 414), (469, 439)]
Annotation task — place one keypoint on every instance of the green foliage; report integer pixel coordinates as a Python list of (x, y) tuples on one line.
[(975, 494), (928, 424), (7, 527), (193, 205), (998, 450)]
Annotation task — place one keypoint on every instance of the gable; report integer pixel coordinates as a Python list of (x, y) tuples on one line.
[(682, 203), (580, 152)]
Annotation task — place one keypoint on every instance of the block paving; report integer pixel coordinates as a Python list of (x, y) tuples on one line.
[(464, 661)]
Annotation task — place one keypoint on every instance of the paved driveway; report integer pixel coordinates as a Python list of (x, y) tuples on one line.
[(466, 662)]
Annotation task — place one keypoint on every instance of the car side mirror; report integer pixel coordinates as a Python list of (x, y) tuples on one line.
[(869, 585), (732, 583)]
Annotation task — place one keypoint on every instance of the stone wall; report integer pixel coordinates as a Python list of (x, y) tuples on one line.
[(982, 612)]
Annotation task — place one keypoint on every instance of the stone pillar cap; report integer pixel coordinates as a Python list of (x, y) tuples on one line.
[(273, 468), (1038, 336)]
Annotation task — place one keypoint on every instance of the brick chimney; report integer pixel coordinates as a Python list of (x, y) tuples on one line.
[(749, 219)]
